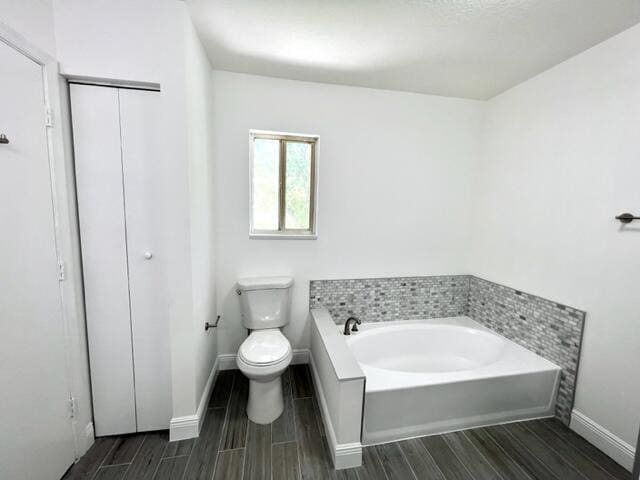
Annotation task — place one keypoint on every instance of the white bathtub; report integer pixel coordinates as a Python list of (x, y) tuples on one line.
[(432, 376)]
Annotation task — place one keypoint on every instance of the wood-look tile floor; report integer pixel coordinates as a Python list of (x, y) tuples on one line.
[(294, 447)]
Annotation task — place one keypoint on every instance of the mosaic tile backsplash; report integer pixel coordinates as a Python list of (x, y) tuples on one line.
[(398, 298), (552, 330)]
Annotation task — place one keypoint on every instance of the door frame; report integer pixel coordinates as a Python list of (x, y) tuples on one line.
[(56, 118)]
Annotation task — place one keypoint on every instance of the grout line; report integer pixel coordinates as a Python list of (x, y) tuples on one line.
[(215, 463), (553, 474), (134, 456), (566, 460), (406, 460), (174, 456), (246, 448), (155, 471), (432, 458), (577, 450), (486, 459), (105, 457), (233, 384), (526, 474), (464, 465), (541, 461), (375, 452), (295, 426)]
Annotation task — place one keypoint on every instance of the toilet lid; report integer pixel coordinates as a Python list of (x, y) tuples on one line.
[(264, 347)]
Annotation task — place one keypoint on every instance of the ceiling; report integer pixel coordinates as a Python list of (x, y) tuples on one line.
[(471, 48)]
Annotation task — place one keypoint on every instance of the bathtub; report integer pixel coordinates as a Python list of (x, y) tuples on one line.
[(433, 376)]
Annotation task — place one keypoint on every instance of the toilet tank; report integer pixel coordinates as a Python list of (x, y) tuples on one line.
[(265, 302)]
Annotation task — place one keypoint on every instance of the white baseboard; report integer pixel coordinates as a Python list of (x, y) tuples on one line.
[(188, 426), (596, 434), (344, 455), (227, 361)]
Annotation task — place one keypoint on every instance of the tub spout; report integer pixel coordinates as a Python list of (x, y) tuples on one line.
[(351, 321)]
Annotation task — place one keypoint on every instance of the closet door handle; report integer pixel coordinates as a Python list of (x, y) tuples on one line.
[(148, 255)]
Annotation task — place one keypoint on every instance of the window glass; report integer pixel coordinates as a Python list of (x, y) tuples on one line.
[(298, 185), (266, 181)]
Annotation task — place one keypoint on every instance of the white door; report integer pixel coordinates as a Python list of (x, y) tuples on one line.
[(36, 437), (140, 124), (97, 154), (119, 185)]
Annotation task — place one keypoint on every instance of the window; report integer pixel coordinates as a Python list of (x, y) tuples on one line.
[(283, 185)]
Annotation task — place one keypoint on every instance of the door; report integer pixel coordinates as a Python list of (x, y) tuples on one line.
[(139, 122), (97, 155), (119, 185), (36, 436)]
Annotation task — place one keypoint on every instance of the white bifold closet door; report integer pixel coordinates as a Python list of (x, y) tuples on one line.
[(119, 187)]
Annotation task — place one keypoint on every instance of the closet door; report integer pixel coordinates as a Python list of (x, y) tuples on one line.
[(139, 125), (101, 210)]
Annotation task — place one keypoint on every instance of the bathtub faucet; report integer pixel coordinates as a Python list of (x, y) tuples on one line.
[(349, 322)]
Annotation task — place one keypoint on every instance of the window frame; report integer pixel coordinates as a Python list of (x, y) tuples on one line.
[(282, 232)]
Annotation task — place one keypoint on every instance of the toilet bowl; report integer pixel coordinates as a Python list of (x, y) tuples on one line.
[(262, 358)]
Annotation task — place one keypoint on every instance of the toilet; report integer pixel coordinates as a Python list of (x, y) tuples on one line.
[(266, 353)]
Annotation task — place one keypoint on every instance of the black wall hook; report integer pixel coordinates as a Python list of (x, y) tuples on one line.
[(627, 217), (3, 139)]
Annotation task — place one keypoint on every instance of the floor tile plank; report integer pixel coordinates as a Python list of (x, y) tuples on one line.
[(345, 474), (148, 457), (124, 450), (88, 465), (229, 466), (235, 431), (179, 448), (580, 461), (284, 429), (284, 462), (420, 460), (202, 460), (257, 463), (549, 457), (472, 459), (222, 389), (580, 444), (445, 458), (371, 468), (499, 460), (522, 455), (114, 472), (393, 462), (171, 468), (301, 379), (314, 461)]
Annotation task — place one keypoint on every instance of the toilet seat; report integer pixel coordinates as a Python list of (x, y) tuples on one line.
[(264, 348)]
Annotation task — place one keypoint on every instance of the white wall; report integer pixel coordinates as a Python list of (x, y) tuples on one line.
[(395, 172), (561, 158), (33, 19), (199, 123), (152, 41)]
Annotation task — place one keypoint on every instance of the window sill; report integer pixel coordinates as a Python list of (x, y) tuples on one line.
[(283, 236)]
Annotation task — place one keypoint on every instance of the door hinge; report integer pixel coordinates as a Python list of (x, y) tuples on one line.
[(62, 274), (72, 407), (48, 116)]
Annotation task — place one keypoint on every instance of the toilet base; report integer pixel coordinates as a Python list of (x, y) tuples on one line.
[(266, 401)]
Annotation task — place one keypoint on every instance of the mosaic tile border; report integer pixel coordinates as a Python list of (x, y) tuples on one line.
[(396, 298), (552, 330)]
